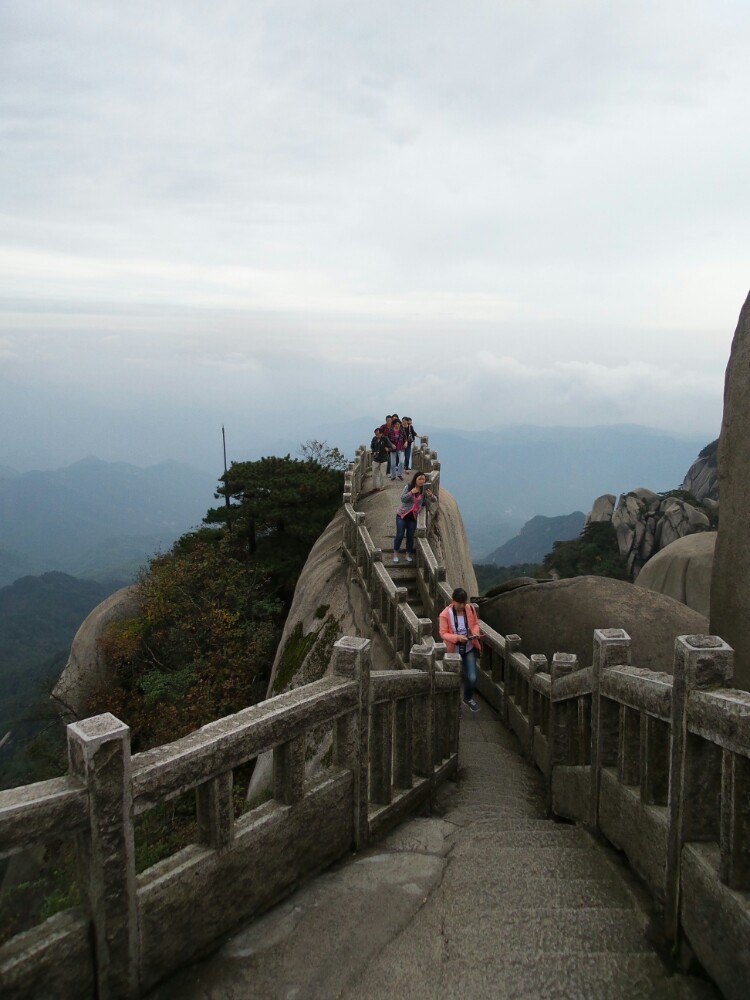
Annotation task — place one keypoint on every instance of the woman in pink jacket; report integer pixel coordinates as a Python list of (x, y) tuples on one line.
[(459, 630)]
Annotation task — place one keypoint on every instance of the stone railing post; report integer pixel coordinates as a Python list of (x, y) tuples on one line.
[(452, 664), (352, 732), (422, 658), (562, 735), (99, 754), (215, 811), (611, 648), (694, 797), (538, 664), (512, 645)]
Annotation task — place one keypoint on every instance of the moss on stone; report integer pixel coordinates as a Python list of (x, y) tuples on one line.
[(318, 660), (296, 649), (322, 611)]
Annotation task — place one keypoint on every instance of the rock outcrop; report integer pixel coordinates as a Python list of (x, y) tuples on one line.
[(683, 571), (730, 587), (561, 617), (646, 522), (702, 479), (86, 671), (603, 509)]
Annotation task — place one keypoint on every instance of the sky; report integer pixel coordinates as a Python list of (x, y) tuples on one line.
[(287, 215)]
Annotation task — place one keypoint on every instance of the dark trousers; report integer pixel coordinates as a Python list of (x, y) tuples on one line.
[(407, 457), (405, 527)]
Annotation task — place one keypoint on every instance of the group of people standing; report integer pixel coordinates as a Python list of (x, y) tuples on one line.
[(391, 449)]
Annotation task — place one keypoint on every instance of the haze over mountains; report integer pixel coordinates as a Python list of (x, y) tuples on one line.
[(102, 520), (96, 519)]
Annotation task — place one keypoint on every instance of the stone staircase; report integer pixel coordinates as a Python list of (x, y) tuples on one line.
[(404, 574)]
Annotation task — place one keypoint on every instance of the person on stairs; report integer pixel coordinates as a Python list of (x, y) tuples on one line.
[(397, 438), (385, 430), (411, 437), (459, 630), (381, 449), (414, 496)]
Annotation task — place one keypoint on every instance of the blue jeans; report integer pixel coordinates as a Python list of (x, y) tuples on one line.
[(397, 463), (405, 527), (469, 663), (407, 457)]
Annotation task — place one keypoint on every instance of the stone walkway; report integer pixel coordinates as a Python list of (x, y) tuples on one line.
[(490, 899)]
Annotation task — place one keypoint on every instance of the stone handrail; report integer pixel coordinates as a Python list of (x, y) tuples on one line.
[(658, 764), (399, 626), (395, 737)]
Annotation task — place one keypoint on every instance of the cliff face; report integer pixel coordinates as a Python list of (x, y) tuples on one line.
[(702, 479)]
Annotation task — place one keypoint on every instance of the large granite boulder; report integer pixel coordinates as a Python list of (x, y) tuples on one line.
[(683, 571), (730, 587), (561, 617), (678, 519), (702, 479), (86, 671), (603, 509)]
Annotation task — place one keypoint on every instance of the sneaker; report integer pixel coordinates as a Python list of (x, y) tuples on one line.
[(472, 705), (401, 478), (395, 558), (409, 558)]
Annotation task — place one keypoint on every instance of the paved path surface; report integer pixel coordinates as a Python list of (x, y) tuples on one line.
[(491, 899)]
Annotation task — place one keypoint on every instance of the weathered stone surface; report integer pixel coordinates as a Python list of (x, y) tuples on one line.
[(702, 479), (86, 671), (514, 584), (562, 615), (603, 509), (683, 571), (678, 518), (730, 588)]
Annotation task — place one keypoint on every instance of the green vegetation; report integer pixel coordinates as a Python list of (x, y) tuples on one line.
[(489, 575), (688, 497), (594, 553), (211, 613)]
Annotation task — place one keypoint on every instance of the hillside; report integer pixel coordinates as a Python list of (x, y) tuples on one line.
[(536, 538), (39, 615), (94, 518)]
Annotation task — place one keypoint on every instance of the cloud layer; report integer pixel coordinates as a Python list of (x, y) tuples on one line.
[(534, 211)]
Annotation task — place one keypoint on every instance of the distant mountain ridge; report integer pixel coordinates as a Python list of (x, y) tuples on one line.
[(95, 518), (503, 476), (536, 539)]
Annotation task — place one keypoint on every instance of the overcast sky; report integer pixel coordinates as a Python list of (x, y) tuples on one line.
[(288, 213)]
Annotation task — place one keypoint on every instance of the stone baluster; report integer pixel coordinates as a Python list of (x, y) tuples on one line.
[(611, 648), (694, 801), (403, 743), (214, 809), (538, 663), (423, 658), (629, 746), (99, 755), (452, 664), (289, 770), (512, 644), (562, 721), (351, 734), (381, 753), (654, 767), (735, 821)]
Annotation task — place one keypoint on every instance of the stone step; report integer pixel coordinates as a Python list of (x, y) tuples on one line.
[(545, 930)]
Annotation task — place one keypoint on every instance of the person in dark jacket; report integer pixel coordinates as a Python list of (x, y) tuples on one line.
[(385, 430), (411, 436), (381, 449), (414, 496), (398, 440)]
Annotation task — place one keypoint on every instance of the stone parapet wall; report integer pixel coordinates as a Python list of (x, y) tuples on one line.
[(657, 763), (395, 737)]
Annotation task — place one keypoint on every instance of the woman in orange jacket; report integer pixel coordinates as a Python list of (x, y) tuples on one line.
[(459, 630)]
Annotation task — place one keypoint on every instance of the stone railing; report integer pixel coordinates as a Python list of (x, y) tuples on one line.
[(658, 764), (392, 616), (395, 736)]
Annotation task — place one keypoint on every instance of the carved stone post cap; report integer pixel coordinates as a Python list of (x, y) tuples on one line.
[(401, 594), (377, 555), (563, 663), (349, 652), (440, 650), (98, 729), (538, 663), (425, 626), (451, 663), (440, 573), (704, 642), (513, 641), (608, 635), (703, 661), (360, 515), (421, 658)]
